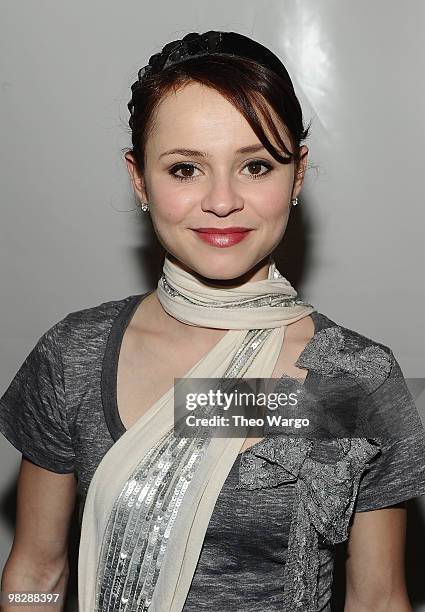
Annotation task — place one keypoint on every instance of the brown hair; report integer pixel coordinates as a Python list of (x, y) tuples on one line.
[(246, 84)]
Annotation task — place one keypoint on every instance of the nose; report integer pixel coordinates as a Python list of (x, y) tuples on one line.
[(222, 197)]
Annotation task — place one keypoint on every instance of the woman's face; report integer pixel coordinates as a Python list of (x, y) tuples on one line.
[(198, 176)]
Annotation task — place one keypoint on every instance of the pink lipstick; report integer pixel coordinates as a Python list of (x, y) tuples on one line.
[(222, 237)]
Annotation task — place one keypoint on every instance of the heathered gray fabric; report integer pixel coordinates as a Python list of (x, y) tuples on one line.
[(243, 556), (60, 412)]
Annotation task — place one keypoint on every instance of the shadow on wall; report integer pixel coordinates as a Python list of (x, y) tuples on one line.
[(415, 564)]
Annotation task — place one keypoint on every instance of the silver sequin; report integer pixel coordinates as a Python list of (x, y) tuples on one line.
[(141, 520), (270, 299), (140, 523)]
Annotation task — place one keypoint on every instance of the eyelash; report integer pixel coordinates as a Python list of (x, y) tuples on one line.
[(192, 178)]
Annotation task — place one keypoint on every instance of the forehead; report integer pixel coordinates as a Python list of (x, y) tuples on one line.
[(199, 114), (197, 106)]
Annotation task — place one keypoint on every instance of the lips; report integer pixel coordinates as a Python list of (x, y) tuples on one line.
[(222, 237), (222, 230)]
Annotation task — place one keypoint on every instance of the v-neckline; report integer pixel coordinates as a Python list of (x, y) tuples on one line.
[(109, 371)]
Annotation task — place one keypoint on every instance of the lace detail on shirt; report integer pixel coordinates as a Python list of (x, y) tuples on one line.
[(334, 350), (325, 494)]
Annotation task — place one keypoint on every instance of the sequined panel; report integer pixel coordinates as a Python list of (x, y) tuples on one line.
[(270, 299), (140, 524), (142, 517)]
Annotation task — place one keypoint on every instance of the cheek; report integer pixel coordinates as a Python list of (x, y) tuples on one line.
[(273, 203), (171, 204)]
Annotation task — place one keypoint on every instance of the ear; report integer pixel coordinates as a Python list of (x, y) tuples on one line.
[(300, 171), (136, 177)]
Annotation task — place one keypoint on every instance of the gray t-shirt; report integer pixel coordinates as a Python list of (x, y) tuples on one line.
[(60, 411)]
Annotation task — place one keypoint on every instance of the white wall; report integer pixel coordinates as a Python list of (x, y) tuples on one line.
[(69, 236)]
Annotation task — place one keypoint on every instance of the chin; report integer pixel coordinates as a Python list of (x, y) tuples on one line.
[(213, 269)]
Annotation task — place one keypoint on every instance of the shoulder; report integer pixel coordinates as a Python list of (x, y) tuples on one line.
[(353, 339), (85, 325)]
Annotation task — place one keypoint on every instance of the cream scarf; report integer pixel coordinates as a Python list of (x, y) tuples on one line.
[(152, 495)]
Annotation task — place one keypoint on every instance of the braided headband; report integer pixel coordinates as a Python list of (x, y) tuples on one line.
[(211, 43)]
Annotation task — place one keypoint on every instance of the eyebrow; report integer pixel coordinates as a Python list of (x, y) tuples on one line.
[(193, 153)]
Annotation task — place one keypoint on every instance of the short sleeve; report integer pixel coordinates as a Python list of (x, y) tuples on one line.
[(398, 472), (32, 409)]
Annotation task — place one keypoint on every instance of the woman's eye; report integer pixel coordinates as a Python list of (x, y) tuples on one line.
[(256, 165), (187, 170), (184, 168)]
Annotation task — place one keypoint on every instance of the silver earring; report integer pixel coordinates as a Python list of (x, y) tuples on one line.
[(294, 201), (145, 206)]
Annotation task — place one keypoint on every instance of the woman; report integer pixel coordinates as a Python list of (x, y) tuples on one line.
[(172, 523)]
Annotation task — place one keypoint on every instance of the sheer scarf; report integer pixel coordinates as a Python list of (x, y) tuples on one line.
[(152, 495)]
